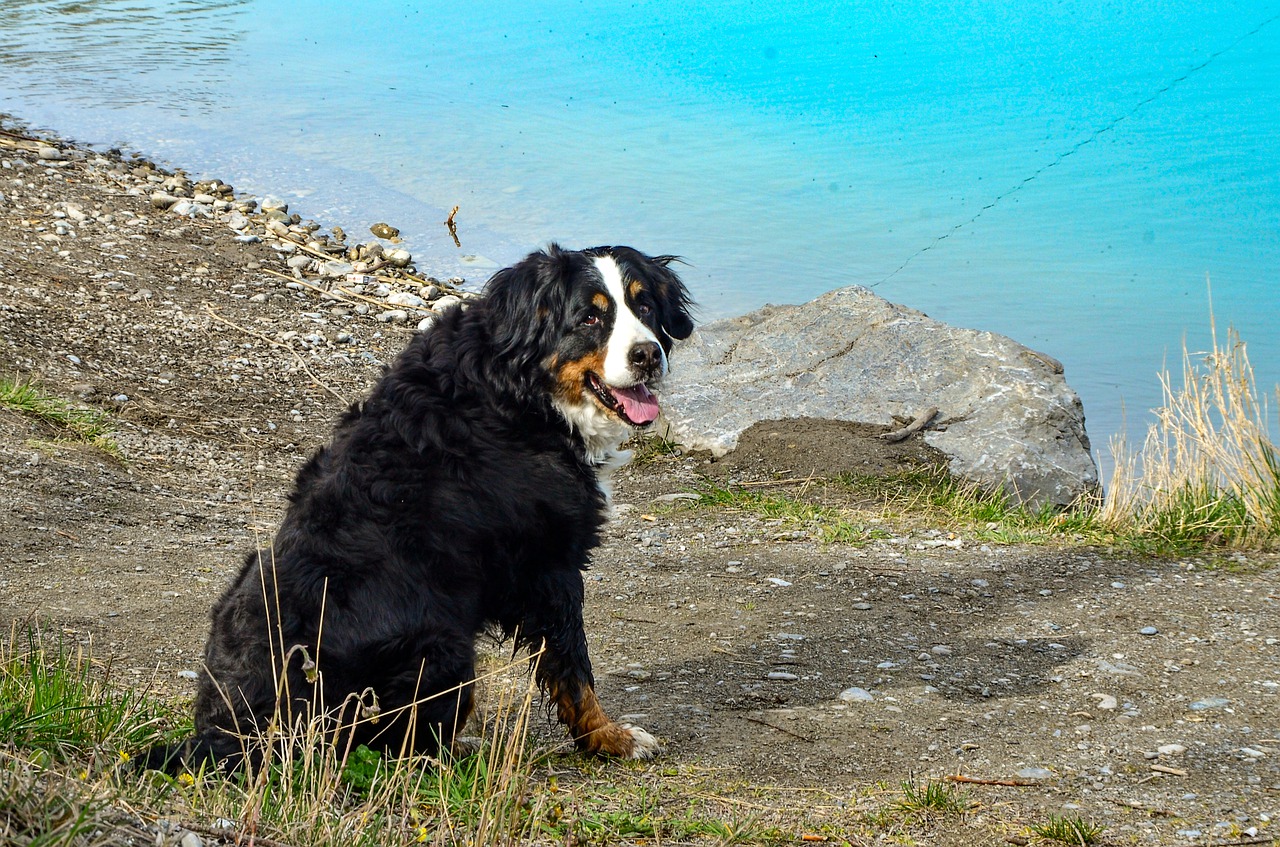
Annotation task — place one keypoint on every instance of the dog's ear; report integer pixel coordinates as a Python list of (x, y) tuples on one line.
[(527, 304), (674, 303)]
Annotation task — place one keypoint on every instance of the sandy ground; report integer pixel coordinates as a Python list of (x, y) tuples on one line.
[(1140, 693)]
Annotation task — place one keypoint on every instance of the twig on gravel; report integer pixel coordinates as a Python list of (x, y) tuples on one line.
[(915, 426), (1135, 805), (973, 780), (1168, 770), (781, 729), (302, 363), (795, 480)]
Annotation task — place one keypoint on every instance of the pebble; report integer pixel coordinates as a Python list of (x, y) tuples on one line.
[(855, 695), (395, 316), (426, 323), (274, 204), (783, 675), (1171, 749), (1208, 704), (778, 581), (861, 607), (448, 301), (299, 262), (399, 258), (1148, 630), (1035, 773), (384, 230), (188, 675), (49, 154)]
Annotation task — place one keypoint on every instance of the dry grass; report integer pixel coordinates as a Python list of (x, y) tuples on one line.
[(1208, 471)]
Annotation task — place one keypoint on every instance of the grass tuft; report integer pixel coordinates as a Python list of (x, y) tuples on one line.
[(1075, 831), (932, 798), (56, 704), (72, 424), (1208, 472)]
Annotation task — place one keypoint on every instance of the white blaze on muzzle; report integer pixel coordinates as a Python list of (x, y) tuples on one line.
[(638, 402)]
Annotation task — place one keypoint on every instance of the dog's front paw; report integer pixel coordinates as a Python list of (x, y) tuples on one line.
[(644, 745), (622, 740)]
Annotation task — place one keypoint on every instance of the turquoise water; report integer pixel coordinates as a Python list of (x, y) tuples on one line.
[(1070, 174)]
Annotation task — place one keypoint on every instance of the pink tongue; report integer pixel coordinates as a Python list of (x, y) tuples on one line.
[(638, 402)]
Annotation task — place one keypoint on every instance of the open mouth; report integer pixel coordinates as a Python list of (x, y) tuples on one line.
[(636, 405)]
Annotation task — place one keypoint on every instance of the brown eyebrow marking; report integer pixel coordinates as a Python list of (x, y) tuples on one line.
[(600, 301), (635, 288)]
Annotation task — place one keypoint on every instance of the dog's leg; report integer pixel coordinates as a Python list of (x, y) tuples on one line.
[(564, 672)]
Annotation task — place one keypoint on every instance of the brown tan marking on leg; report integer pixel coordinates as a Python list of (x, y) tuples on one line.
[(592, 730)]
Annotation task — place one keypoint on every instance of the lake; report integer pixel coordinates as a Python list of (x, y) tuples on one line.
[(1076, 175)]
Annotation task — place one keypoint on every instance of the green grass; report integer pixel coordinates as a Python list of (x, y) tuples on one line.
[(72, 424), (830, 524), (932, 798), (57, 705), (1074, 831)]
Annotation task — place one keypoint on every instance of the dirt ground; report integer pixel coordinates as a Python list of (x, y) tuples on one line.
[(1140, 693)]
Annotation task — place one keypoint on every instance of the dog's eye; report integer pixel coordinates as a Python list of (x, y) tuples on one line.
[(644, 310), (591, 320)]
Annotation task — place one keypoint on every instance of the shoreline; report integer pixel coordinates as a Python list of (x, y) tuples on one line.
[(375, 274)]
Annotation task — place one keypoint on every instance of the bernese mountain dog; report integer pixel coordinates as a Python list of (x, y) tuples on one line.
[(464, 495)]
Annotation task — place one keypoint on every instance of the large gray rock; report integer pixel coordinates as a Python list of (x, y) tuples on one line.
[(1006, 417)]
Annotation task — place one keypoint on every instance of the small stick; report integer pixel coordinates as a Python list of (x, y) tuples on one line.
[(795, 480), (784, 730), (453, 227), (1134, 804), (301, 362), (973, 780), (1170, 771), (915, 426)]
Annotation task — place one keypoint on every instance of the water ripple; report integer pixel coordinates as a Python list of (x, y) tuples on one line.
[(121, 52)]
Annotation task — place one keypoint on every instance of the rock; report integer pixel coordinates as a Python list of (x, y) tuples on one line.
[(384, 230), (236, 220), (161, 200), (399, 258), (335, 270), (1148, 630), (783, 676), (49, 153), (274, 204), (448, 301), (395, 316), (1009, 419), (299, 262), (404, 298), (1209, 704), (855, 695), (1171, 749)]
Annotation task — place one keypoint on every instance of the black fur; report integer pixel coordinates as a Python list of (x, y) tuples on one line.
[(453, 499)]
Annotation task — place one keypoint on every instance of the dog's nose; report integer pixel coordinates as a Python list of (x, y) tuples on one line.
[(646, 357)]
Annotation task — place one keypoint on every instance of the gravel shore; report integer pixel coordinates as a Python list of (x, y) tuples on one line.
[(220, 335)]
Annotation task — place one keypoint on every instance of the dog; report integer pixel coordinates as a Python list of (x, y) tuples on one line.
[(464, 495)]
